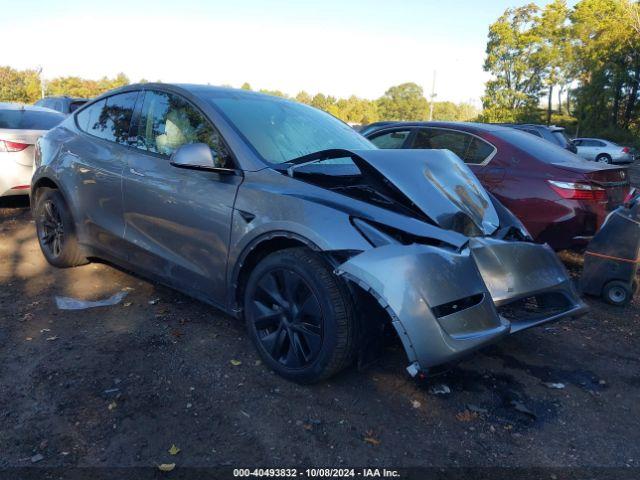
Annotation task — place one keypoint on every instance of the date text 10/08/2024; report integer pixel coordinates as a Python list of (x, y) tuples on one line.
[(316, 472)]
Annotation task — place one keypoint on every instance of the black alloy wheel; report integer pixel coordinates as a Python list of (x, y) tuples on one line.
[(287, 318), (299, 315), (52, 229)]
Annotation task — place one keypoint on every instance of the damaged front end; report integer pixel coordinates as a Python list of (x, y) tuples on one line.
[(470, 278)]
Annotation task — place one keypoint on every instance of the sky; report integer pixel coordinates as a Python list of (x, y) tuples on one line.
[(337, 47)]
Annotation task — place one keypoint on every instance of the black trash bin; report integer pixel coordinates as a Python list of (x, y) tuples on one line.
[(612, 257)]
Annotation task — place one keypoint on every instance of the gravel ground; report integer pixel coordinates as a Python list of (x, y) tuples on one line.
[(117, 386)]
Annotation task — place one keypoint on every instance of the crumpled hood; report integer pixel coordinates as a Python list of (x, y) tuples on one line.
[(438, 183)]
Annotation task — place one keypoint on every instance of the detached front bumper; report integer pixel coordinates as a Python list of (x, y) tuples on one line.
[(445, 304)]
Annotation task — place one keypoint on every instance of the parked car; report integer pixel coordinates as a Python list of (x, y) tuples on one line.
[(20, 127), (603, 151), (64, 105), (550, 133), (560, 198), (279, 213)]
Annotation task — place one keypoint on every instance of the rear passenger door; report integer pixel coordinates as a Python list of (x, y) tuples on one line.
[(178, 221), (587, 149), (95, 160)]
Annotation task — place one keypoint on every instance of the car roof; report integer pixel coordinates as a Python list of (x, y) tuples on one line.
[(22, 106), (475, 126), (65, 97)]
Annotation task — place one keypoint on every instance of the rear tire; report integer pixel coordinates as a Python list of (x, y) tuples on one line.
[(300, 316), (617, 293), (56, 230), (603, 158)]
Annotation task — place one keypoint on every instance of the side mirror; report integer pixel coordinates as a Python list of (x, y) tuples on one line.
[(198, 156)]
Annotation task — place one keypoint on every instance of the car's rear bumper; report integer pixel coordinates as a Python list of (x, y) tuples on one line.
[(623, 159), (15, 178), (446, 304)]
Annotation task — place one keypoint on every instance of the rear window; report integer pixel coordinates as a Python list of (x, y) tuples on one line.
[(73, 106), (561, 138), (29, 119), (541, 149)]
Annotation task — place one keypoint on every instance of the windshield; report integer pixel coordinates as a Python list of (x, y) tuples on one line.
[(281, 130), (29, 119), (541, 149)]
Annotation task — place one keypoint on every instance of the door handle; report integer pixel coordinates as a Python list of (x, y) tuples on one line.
[(136, 172)]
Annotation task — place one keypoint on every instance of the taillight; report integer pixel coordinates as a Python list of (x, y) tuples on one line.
[(630, 196), (626, 149), (578, 191), (7, 146)]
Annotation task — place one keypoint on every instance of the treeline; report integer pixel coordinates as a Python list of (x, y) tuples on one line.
[(585, 59), (401, 102), (27, 86)]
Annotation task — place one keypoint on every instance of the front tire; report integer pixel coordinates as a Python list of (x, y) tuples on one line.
[(56, 230), (300, 316)]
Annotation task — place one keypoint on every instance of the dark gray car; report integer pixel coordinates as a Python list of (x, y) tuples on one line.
[(280, 214), (64, 105)]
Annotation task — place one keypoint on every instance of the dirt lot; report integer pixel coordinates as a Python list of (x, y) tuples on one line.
[(118, 386)]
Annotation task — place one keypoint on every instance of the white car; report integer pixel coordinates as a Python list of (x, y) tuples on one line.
[(604, 151), (20, 127)]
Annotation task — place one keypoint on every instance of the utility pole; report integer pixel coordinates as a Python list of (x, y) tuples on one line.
[(42, 85), (433, 96)]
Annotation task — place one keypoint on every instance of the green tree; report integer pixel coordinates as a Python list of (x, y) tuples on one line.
[(552, 31), (303, 97), (513, 61), (607, 62), (452, 112), (246, 86), (403, 102), (19, 85)]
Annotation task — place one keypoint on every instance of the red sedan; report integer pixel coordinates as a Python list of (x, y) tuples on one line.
[(560, 198)]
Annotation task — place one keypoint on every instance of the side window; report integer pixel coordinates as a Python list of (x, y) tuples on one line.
[(115, 118), (478, 151), (469, 148), (532, 131), (599, 143), (393, 139), (457, 142), (57, 105), (88, 118), (168, 121), (587, 143), (578, 143)]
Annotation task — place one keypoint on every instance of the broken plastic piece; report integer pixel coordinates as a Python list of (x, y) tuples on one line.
[(68, 303)]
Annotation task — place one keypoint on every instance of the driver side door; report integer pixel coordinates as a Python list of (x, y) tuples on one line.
[(178, 221)]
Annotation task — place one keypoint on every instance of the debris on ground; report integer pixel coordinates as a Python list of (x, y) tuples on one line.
[(370, 438), (51, 339), (166, 467), (68, 303), (441, 389), (557, 386), (466, 416), (415, 404), (174, 450), (154, 301), (36, 458), (236, 363), (112, 406), (522, 408), (476, 409)]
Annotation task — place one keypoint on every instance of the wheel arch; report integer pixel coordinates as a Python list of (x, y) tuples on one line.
[(253, 253)]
